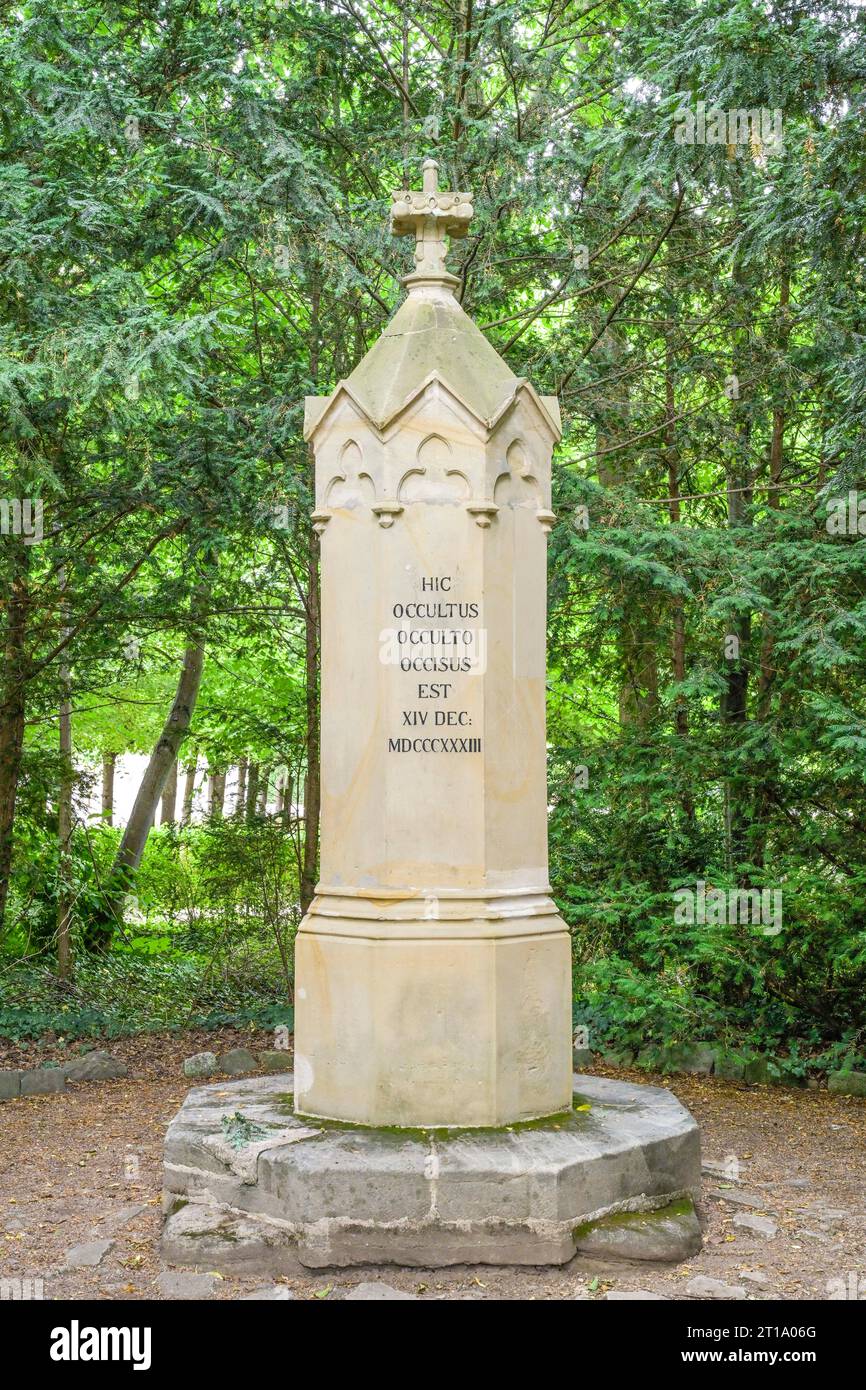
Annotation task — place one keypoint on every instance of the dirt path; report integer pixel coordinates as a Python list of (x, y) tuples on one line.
[(88, 1165)]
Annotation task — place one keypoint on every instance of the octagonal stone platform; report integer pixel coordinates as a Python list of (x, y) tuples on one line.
[(315, 1193)]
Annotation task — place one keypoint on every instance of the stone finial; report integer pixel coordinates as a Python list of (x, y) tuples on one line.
[(430, 216)]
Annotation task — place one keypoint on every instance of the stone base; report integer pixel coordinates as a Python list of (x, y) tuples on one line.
[(461, 1020), (272, 1190)]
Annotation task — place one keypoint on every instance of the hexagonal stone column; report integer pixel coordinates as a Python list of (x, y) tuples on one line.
[(433, 972)]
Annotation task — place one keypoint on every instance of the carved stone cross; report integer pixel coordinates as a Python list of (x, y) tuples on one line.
[(430, 216)]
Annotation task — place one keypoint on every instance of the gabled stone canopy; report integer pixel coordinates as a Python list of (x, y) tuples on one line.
[(431, 333)]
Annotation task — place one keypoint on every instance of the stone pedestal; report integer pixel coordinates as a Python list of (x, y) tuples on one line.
[(616, 1175)]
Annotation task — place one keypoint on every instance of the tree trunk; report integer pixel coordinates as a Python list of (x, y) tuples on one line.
[(65, 892), (12, 717), (188, 793), (264, 787), (162, 759), (777, 441), (168, 812), (312, 649), (312, 781), (216, 795), (252, 792), (109, 761), (734, 701), (767, 790), (241, 799), (638, 695), (678, 641)]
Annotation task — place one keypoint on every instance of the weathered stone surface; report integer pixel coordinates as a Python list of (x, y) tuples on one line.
[(44, 1081), (375, 1292), (123, 1215), (672, 1233), (618, 1057), (10, 1084), (738, 1198), (761, 1225), (824, 1212), (581, 1058), (273, 1293), (243, 1160), (650, 1058), (780, 1075), (89, 1255), (237, 1062), (200, 1064), (754, 1276), (702, 1287), (435, 1246), (95, 1066), (178, 1284), (847, 1083), (729, 1066), (757, 1071), (204, 1234), (350, 1195), (275, 1061), (632, 1295), (695, 1059)]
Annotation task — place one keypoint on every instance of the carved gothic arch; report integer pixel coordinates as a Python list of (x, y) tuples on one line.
[(351, 486)]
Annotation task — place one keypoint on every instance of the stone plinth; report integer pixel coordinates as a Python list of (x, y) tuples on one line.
[(329, 1194)]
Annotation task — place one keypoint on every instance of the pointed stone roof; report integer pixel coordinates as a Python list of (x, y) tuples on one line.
[(430, 336), (431, 333)]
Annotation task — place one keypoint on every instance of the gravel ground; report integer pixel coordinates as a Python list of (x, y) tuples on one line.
[(87, 1166)]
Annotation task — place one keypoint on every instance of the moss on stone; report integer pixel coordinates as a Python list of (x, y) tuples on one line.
[(684, 1206), (285, 1102)]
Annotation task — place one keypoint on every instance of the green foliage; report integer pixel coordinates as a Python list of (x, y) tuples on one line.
[(192, 236), (239, 1131), (130, 992)]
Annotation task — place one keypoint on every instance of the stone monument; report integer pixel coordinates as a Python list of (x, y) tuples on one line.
[(433, 972), (432, 1117)]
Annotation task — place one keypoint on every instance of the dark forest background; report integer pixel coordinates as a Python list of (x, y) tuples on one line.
[(193, 237)]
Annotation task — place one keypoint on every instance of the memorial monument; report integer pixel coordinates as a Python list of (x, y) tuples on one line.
[(432, 1116), (433, 972)]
